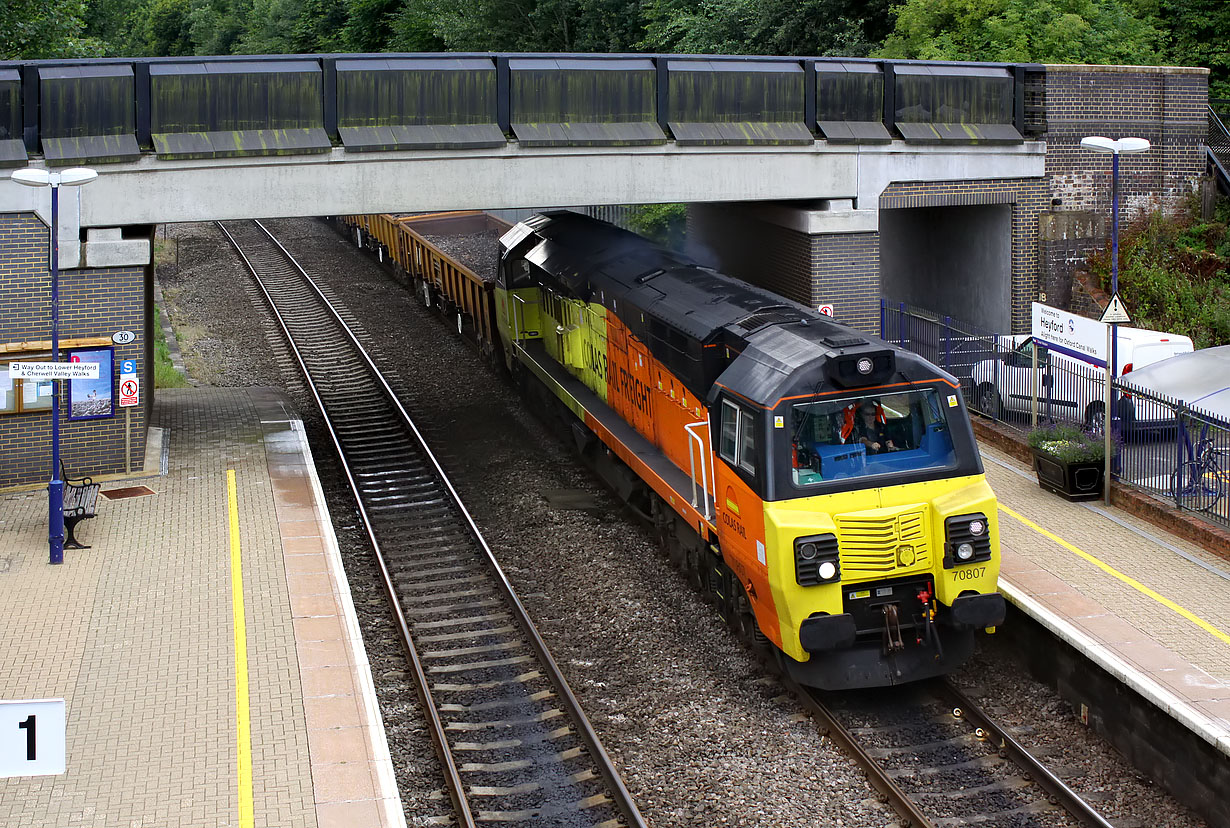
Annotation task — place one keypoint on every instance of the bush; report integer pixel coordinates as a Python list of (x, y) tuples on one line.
[(664, 223), (1068, 444), (1174, 273)]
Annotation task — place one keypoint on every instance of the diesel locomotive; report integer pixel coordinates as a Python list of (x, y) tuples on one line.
[(821, 486)]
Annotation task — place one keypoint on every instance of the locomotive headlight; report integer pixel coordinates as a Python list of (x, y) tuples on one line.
[(816, 560), (864, 365), (968, 539)]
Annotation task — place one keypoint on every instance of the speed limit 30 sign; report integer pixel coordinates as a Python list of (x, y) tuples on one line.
[(32, 737)]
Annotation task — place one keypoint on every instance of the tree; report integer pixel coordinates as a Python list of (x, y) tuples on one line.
[(369, 24), (34, 29), (537, 25), (1195, 35), (1043, 31), (413, 29), (774, 27), (217, 25), (166, 28)]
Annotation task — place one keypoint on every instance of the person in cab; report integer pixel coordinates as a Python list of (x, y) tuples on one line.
[(870, 428)]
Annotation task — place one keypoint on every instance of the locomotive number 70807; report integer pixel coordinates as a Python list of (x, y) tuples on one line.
[(969, 574)]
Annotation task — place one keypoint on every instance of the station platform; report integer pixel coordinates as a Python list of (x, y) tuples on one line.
[(138, 633), (1149, 607), (206, 646)]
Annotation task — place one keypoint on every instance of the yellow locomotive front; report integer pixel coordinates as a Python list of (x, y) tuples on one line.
[(874, 555)]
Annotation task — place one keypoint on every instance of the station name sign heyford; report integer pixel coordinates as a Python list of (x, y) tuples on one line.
[(1077, 336), (46, 371)]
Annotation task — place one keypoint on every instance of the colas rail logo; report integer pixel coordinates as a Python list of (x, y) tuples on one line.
[(730, 515)]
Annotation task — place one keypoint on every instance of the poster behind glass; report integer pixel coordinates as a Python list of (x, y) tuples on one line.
[(92, 398)]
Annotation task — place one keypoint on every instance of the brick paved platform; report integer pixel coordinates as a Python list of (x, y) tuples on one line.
[(1149, 607), (136, 634)]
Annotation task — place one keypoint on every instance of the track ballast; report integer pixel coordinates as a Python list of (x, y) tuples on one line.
[(514, 744)]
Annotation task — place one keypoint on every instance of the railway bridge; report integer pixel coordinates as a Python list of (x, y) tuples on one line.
[(960, 187)]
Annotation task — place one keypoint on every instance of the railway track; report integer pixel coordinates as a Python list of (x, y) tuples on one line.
[(941, 761), (513, 743)]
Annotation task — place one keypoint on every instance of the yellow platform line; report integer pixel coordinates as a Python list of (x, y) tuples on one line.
[(242, 712), (1110, 570)]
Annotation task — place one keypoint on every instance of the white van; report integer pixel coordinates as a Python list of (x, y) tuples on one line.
[(1070, 388)]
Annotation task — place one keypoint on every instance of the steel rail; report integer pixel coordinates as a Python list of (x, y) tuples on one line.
[(897, 798), (605, 767), (456, 788), (1067, 798)]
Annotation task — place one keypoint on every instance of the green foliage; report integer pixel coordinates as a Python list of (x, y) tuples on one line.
[(537, 25), (1043, 31), (293, 26), (1067, 443), (218, 25), (165, 375), (412, 28), (664, 223), (35, 29), (1183, 32), (167, 28), (1174, 274), (770, 27), (1195, 35)]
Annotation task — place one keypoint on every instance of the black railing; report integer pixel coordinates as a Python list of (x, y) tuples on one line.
[(113, 109), (1218, 142), (1161, 445)]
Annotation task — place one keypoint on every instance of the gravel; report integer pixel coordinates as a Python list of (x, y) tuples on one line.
[(701, 734)]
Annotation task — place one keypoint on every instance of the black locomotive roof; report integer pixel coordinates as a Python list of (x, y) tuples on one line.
[(594, 259), (772, 337)]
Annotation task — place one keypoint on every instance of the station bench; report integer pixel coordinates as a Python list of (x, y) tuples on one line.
[(80, 503)]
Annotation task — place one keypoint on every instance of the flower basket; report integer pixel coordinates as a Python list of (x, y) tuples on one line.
[(1068, 462)]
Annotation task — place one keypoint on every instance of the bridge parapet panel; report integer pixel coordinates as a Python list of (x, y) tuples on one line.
[(850, 102), (955, 104), (737, 102), (12, 147), (417, 103), (86, 114), (584, 102), (226, 109)]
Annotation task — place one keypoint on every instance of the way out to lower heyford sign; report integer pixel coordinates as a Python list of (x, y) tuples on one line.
[(44, 371)]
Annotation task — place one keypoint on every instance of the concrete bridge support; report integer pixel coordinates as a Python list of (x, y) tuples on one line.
[(969, 246)]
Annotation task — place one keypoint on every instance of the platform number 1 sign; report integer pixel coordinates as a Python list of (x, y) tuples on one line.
[(32, 737)]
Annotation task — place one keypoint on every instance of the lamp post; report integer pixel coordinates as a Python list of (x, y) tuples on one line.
[(36, 177), (1115, 148)]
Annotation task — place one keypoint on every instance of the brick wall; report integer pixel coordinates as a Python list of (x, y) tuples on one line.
[(1065, 239), (1165, 105), (845, 270), (93, 303), (841, 269)]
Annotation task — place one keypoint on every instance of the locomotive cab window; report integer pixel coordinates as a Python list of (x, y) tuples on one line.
[(738, 437), (869, 435)]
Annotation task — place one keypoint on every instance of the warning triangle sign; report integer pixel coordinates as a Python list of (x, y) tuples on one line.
[(1115, 312)]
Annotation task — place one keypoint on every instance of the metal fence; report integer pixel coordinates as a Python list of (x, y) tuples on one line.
[(1162, 445)]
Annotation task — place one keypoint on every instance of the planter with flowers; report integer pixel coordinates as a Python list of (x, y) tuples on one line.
[(1068, 461)]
